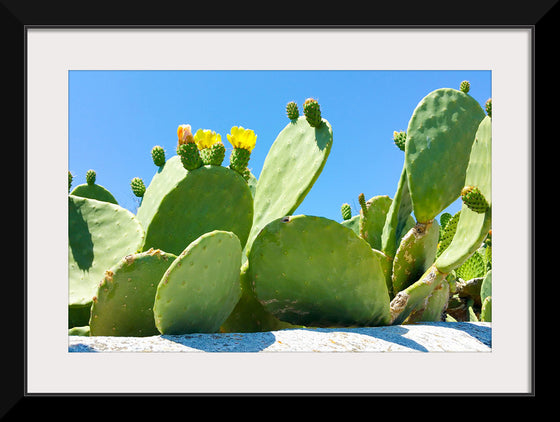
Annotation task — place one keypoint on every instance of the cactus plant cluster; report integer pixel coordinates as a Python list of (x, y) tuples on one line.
[(212, 248)]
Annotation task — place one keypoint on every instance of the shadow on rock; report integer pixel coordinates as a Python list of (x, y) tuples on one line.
[(225, 342), (392, 334)]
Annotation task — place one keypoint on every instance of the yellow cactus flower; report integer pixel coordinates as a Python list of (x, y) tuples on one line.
[(184, 134), (205, 138), (242, 138)]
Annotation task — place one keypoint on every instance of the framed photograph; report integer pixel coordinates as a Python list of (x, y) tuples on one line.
[(130, 68)]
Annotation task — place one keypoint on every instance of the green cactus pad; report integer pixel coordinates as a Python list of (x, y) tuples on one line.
[(125, 297), (206, 199), (486, 287), (373, 221), (70, 178), (414, 296), (249, 315), (447, 233), (486, 310), (163, 181), (353, 224), (313, 271), (201, 287), (416, 253), (387, 268), (434, 306), (398, 220), (444, 219), (473, 267), (472, 227), (100, 234), (79, 331), (251, 181), (293, 164), (440, 135), (94, 191)]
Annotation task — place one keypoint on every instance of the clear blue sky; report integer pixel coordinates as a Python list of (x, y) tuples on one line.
[(116, 117)]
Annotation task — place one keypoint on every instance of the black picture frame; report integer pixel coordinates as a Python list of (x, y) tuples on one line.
[(18, 16)]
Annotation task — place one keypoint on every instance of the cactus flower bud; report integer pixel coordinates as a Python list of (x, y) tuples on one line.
[(213, 155), (465, 86), (474, 199), (158, 155), (205, 138), (70, 178), (292, 110), (243, 141), (312, 112), (90, 177), (400, 139), (138, 187), (190, 156), (346, 211), (488, 107), (184, 134), (362, 201), (242, 138)]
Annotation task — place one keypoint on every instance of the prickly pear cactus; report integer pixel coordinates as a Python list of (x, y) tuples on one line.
[(398, 220), (440, 136), (313, 271), (372, 220), (249, 315), (92, 190), (416, 253), (201, 287), (293, 164), (486, 298), (472, 227), (123, 304), (206, 199), (100, 234)]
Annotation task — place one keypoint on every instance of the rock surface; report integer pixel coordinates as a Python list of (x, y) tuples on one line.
[(422, 337)]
